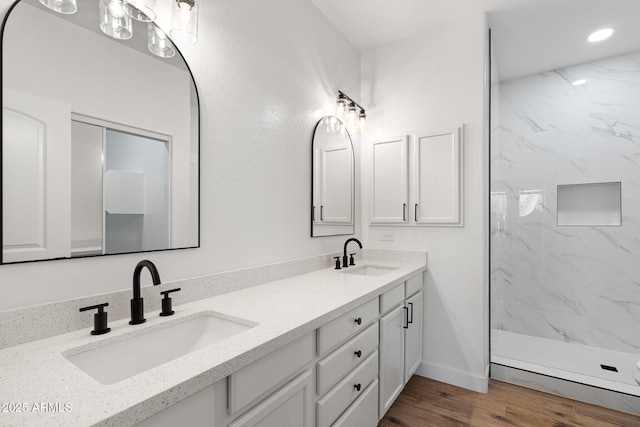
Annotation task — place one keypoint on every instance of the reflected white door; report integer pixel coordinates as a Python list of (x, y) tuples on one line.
[(337, 183), (36, 197)]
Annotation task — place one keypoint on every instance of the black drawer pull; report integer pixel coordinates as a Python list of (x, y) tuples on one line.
[(359, 320), (406, 309), (357, 387), (358, 353), (411, 319)]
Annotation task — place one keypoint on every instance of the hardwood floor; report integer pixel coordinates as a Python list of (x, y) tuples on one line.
[(425, 403)]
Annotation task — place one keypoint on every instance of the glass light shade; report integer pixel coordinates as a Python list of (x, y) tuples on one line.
[(341, 104), (351, 117), (362, 122), (114, 21), (141, 10), (67, 7), (184, 21), (159, 43)]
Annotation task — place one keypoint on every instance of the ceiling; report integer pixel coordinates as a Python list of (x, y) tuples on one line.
[(529, 36), (541, 36), (369, 23)]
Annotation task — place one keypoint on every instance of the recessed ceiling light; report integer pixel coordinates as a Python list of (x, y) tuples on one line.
[(598, 36), (579, 82)]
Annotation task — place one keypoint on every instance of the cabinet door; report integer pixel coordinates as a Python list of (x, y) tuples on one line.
[(389, 170), (196, 410), (392, 327), (290, 406), (437, 180), (413, 336)]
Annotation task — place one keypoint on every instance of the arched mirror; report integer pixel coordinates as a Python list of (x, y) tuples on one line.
[(100, 136), (333, 183)]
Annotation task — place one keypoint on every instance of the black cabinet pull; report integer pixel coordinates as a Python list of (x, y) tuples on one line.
[(404, 210), (321, 213), (411, 321), (415, 212), (313, 213), (358, 354), (357, 387), (358, 320), (406, 309)]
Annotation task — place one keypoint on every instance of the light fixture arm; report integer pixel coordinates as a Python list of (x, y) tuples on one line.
[(347, 97)]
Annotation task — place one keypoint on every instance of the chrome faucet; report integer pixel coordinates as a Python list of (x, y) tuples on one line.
[(137, 303), (345, 261)]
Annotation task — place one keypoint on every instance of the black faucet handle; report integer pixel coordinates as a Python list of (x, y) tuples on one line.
[(351, 261), (337, 258), (99, 318), (166, 302), (170, 291), (99, 307)]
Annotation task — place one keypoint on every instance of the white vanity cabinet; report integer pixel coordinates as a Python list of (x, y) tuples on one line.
[(347, 374), (418, 181), (276, 390), (400, 339)]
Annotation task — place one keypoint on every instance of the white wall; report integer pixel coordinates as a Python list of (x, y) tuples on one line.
[(266, 72), (430, 81)]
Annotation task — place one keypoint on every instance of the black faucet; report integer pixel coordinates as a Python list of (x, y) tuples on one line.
[(137, 303), (345, 261)]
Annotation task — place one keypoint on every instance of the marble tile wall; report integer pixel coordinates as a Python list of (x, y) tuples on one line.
[(578, 284)]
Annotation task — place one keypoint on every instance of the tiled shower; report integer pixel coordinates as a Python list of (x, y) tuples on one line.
[(565, 222)]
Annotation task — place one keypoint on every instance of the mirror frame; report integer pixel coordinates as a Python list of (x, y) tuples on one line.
[(194, 89), (353, 179)]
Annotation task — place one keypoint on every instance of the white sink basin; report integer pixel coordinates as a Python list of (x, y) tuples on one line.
[(119, 360), (369, 270)]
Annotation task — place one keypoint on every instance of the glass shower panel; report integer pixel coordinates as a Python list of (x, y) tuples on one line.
[(565, 193)]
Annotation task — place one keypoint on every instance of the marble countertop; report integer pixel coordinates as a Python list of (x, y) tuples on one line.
[(37, 373)]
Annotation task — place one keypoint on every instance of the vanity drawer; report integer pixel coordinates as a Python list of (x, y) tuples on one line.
[(413, 285), (391, 298), (255, 380), (331, 406), (338, 330), (344, 359), (363, 412)]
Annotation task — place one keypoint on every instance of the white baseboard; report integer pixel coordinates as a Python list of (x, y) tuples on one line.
[(455, 377)]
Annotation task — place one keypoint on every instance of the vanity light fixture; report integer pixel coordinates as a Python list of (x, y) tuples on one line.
[(68, 7), (184, 21), (114, 21), (159, 43), (602, 34), (352, 115), (141, 10)]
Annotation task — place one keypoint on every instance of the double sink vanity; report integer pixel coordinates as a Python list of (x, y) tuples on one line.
[(327, 347)]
